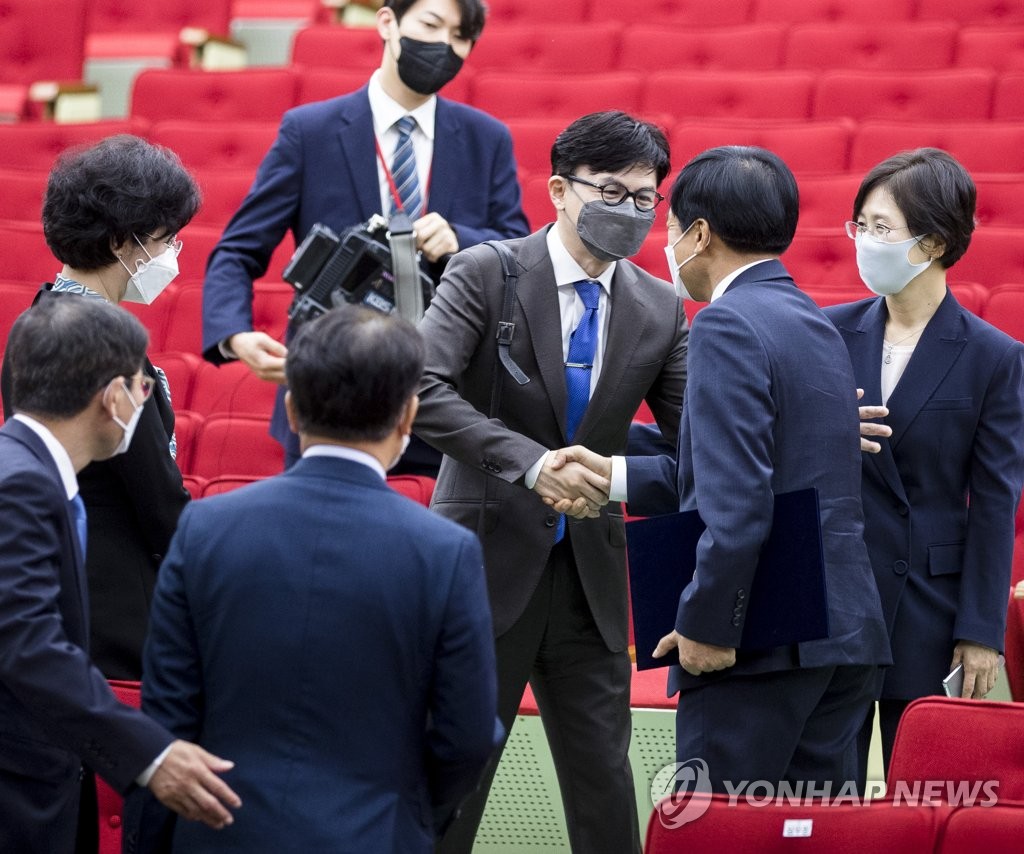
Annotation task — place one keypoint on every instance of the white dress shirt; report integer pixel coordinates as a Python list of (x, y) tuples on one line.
[(346, 453)]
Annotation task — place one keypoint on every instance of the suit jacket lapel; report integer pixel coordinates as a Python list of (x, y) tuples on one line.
[(446, 178), (537, 296), (939, 347), (358, 151)]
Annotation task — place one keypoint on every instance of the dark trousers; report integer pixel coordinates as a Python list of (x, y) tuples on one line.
[(582, 692), (889, 714), (787, 725)]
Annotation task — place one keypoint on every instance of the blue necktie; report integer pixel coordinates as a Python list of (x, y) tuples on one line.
[(403, 169), (78, 514), (579, 366)]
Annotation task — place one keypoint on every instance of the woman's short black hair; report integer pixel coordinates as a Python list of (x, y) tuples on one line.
[(610, 142), (473, 14), (933, 191), (747, 194), (100, 196)]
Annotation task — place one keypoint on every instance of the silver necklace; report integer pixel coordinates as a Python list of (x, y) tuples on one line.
[(889, 347)]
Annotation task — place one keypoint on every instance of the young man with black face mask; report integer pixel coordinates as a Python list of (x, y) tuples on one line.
[(337, 162), (594, 335)]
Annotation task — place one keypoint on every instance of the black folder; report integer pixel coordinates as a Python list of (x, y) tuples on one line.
[(787, 602)]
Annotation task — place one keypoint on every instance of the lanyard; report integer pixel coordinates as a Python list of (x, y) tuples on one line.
[(391, 181)]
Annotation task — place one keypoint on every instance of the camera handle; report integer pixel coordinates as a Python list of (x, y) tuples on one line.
[(405, 267)]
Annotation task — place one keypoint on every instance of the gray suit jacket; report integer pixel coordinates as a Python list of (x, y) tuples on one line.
[(481, 479)]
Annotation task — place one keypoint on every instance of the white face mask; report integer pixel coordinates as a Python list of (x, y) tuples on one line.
[(133, 422), (674, 268), (406, 439), (151, 277), (886, 267)]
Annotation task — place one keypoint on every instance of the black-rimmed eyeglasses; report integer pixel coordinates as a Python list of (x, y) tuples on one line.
[(613, 193)]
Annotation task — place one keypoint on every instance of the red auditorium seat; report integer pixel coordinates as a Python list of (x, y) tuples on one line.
[(22, 197), (181, 370), (980, 146), (156, 317), (517, 95), (772, 825), (1001, 48), (35, 145), (537, 202), (826, 201), (833, 11), (871, 47), (504, 12), (122, 28), (970, 295), (220, 485), (1008, 102), (319, 84), (825, 294), (755, 47), (270, 304), (537, 47), (232, 389), (26, 256), (201, 145), (15, 297), (194, 485), (690, 12), (721, 94), (1005, 310), (822, 256), (332, 46), (955, 95), (995, 255), (417, 487), (187, 425), (31, 52), (532, 139), (256, 94), (804, 146), (993, 829), (109, 803), (973, 12), (198, 242), (183, 329), (223, 191), (961, 741), (1000, 199), (236, 445), (1014, 643)]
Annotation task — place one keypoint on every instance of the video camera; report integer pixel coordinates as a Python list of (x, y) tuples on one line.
[(363, 266)]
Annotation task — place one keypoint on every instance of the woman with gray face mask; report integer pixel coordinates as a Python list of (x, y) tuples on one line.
[(940, 497), (111, 216)]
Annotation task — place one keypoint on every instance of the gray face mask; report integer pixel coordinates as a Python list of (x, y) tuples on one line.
[(611, 232)]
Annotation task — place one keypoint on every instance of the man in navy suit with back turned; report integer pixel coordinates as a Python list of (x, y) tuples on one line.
[(333, 636), (77, 390), (770, 407), (336, 162)]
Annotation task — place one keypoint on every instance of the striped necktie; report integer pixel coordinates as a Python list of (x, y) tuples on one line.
[(78, 514), (403, 170)]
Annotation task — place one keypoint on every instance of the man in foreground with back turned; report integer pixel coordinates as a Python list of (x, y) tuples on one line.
[(77, 391), (329, 633), (770, 408)]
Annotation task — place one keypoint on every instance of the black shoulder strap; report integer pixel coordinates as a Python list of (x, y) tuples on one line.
[(506, 326)]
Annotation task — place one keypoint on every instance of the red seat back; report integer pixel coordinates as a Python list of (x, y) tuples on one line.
[(236, 445), (109, 803)]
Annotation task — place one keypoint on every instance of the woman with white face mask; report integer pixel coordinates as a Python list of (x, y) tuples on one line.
[(111, 215), (939, 500)]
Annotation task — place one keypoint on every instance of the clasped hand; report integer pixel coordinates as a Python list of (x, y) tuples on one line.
[(575, 481)]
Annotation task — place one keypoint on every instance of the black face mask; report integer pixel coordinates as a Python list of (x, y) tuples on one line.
[(611, 232), (427, 66)]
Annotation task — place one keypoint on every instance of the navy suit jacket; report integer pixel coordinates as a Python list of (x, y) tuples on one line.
[(323, 168), (939, 500), (56, 710), (333, 639), (770, 407)]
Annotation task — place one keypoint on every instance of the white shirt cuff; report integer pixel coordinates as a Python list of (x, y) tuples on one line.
[(147, 775), (533, 472), (617, 491), (226, 350)]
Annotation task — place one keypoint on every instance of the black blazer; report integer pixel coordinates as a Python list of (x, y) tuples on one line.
[(133, 502)]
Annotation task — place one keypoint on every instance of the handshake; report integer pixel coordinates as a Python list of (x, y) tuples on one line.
[(575, 481)]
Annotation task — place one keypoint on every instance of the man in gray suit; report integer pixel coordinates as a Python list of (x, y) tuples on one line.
[(594, 336)]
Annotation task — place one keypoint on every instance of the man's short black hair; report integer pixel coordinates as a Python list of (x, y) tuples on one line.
[(101, 196), (473, 14), (747, 194), (933, 191), (66, 348), (351, 371), (610, 142)]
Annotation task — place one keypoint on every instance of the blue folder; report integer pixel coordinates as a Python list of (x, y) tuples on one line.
[(787, 601)]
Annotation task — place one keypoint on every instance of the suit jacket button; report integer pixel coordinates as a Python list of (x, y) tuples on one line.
[(902, 510), (735, 621), (737, 611), (157, 558), (551, 521), (741, 594), (900, 567)]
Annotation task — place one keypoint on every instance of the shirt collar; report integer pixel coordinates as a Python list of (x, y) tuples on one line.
[(61, 284), (346, 453), (59, 453), (567, 271), (723, 285), (386, 110)]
